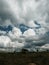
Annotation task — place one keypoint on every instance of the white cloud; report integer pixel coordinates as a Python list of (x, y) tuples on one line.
[(32, 24), (17, 40), (29, 32), (10, 44), (15, 33), (46, 46), (15, 44), (4, 40), (2, 32)]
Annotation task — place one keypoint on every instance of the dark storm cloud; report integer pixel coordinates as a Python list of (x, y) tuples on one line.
[(4, 9), (5, 13), (22, 11)]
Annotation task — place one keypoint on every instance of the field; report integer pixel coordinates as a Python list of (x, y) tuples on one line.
[(24, 58)]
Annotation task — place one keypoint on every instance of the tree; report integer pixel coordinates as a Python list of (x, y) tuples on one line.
[(24, 51)]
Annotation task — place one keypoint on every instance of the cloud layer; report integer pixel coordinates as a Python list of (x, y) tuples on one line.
[(25, 12), (31, 13), (14, 40)]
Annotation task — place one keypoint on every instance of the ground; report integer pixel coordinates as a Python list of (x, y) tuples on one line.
[(39, 58)]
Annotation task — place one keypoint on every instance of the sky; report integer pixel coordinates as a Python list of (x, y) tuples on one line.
[(29, 24)]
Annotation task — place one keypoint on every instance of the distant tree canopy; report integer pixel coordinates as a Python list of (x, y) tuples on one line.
[(24, 50)]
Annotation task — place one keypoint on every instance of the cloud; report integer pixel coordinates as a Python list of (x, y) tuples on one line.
[(24, 11), (46, 46), (6, 44), (15, 33), (2, 32), (32, 24), (15, 40), (29, 32), (15, 44), (4, 40), (13, 12), (6, 13), (41, 31), (16, 12)]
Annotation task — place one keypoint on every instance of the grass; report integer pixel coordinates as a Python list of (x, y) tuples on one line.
[(40, 58)]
